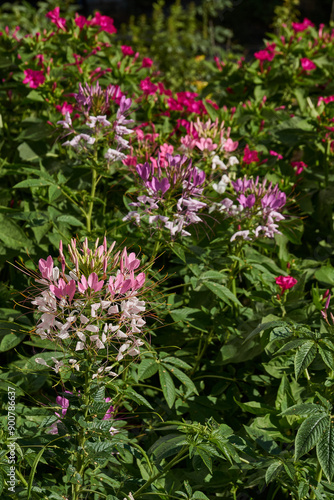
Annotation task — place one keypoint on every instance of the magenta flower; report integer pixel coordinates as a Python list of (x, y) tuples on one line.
[(35, 78), (147, 62), (298, 27), (299, 166), (307, 64), (273, 153), (106, 23), (285, 282), (53, 15), (250, 156), (65, 108), (127, 50), (64, 403), (148, 87), (264, 55), (81, 21)]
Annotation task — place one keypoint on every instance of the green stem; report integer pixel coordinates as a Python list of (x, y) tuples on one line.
[(20, 476), (91, 203), (201, 351), (307, 375), (179, 457)]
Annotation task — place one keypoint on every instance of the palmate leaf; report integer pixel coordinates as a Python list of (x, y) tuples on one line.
[(310, 432), (325, 451), (304, 357)]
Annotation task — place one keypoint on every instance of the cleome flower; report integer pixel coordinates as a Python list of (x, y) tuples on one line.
[(170, 188), (93, 302), (255, 207)]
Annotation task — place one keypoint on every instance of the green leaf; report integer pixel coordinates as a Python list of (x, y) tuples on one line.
[(206, 458), (303, 409), (32, 183), (290, 345), (182, 377), (12, 235), (304, 357), (212, 112), (255, 407), (198, 495), (147, 368), (223, 293), (69, 219), (26, 153), (179, 251), (11, 335), (325, 275), (325, 451), (273, 470), (264, 326), (2, 481), (167, 446), (137, 398), (33, 471), (176, 361), (327, 355), (310, 432), (167, 386)]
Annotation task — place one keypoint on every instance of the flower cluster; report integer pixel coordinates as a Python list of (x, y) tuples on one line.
[(256, 207), (93, 302), (94, 104), (169, 182)]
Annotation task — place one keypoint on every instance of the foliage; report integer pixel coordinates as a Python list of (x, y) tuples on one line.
[(167, 267)]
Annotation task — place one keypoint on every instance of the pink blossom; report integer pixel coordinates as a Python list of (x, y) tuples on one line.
[(46, 267), (307, 64), (65, 108), (273, 153), (64, 403), (207, 144), (298, 27), (147, 62), (264, 55), (81, 21), (35, 78), (230, 146), (250, 156), (93, 283), (148, 87), (106, 23), (64, 289), (326, 100), (127, 50), (60, 22), (285, 282), (299, 166)]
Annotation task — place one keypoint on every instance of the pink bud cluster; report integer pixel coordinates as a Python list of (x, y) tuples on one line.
[(93, 301), (255, 207), (169, 182)]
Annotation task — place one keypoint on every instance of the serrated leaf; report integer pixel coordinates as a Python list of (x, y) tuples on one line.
[(167, 386), (310, 432), (255, 407), (327, 355), (262, 327), (325, 451), (206, 458), (273, 470), (223, 293), (137, 398), (182, 377), (304, 357), (303, 409), (177, 362), (147, 368), (290, 345)]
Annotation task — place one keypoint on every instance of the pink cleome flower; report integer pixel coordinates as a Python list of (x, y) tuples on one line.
[(35, 78), (106, 23)]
